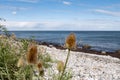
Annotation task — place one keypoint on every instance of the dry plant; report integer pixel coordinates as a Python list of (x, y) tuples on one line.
[(60, 66), (70, 43), (40, 68), (32, 54)]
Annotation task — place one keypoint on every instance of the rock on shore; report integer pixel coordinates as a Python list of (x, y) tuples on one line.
[(85, 66)]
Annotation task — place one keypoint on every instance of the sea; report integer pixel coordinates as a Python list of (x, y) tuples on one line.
[(99, 40)]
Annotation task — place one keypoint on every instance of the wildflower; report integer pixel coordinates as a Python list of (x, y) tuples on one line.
[(32, 54), (60, 66), (20, 62), (70, 42)]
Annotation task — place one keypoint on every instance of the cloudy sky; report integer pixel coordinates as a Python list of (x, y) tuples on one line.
[(61, 14)]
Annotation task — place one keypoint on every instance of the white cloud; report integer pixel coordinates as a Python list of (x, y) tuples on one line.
[(12, 7), (73, 25), (28, 1), (113, 13), (67, 3), (14, 12)]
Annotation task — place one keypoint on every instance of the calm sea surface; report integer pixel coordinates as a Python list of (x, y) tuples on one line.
[(99, 40)]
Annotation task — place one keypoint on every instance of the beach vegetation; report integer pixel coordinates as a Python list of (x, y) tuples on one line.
[(21, 60)]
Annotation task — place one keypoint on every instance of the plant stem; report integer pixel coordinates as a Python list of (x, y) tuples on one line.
[(7, 72), (1, 76), (31, 72), (65, 64)]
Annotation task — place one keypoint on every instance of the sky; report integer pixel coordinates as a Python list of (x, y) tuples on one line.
[(78, 15)]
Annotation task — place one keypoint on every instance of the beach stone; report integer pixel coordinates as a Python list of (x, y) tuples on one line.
[(103, 52), (118, 51), (86, 46), (50, 46)]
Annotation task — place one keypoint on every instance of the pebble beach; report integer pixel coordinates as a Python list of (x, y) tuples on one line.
[(85, 66)]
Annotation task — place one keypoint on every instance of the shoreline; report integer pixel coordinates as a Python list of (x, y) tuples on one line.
[(87, 51), (57, 46)]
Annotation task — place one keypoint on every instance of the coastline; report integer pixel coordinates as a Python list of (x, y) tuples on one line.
[(89, 51)]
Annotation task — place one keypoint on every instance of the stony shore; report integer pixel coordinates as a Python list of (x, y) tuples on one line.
[(85, 66)]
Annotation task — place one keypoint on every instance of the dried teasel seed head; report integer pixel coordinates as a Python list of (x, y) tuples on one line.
[(60, 66), (40, 68), (32, 54), (70, 42), (21, 62)]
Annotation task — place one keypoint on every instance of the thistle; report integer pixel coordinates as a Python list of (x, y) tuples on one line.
[(70, 43), (32, 54), (60, 66)]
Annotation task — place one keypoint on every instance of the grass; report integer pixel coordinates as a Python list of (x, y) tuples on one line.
[(46, 59), (67, 76), (8, 60)]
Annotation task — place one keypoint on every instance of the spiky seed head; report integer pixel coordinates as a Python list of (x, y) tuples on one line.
[(40, 68), (32, 54), (70, 42), (60, 66)]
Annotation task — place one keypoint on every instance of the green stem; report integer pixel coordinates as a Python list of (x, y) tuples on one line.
[(65, 64), (31, 72), (1, 76), (7, 72)]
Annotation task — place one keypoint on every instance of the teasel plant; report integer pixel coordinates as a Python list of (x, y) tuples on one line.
[(30, 61), (32, 54), (32, 57), (60, 66), (70, 43), (40, 68)]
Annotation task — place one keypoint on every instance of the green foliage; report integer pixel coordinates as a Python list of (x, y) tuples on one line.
[(7, 61), (66, 76), (24, 73), (45, 58), (25, 44)]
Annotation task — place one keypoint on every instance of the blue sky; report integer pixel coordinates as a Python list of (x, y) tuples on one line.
[(61, 14)]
